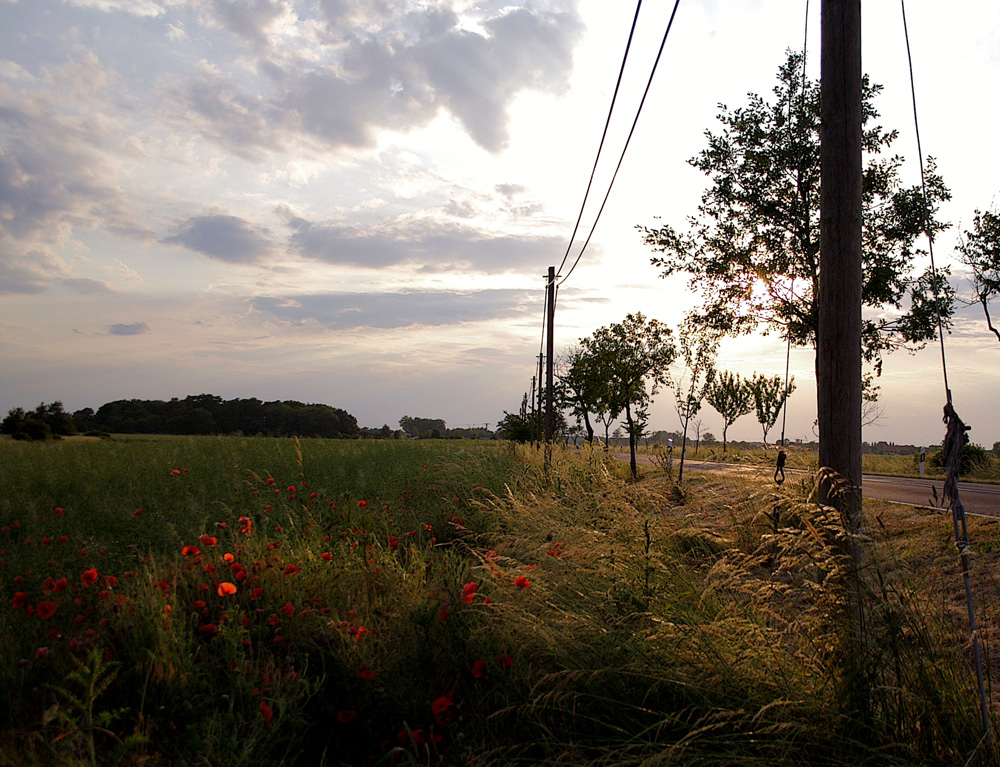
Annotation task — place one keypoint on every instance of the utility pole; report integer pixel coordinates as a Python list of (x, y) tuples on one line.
[(550, 416), (838, 358)]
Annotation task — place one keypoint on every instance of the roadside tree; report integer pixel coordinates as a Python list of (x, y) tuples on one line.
[(732, 397)]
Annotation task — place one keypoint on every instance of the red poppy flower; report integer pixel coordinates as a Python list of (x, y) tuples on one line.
[(208, 540), (393, 542), (441, 708), (270, 480), (362, 504), (227, 557), (46, 610), (20, 600), (479, 668), (175, 472), (190, 551), (58, 511), (41, 652), (246, 525), (345, 716), (522, 583), (469, 592), (291, 570), (365, 672), (209, 628), (291, 488), (288, 609), (326, 556), (266, 712), (89, 577), (226, 589), (137, 513)]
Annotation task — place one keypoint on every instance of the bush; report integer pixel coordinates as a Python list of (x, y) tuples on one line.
[(973, 457)]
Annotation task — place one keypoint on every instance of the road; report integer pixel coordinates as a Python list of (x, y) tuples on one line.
[(976, 498)]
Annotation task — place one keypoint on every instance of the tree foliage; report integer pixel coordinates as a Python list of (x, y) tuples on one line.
[(698, 350), (979, 249), (632, 358), (752, 251), (45, 421), (731, 396), (769, 396)]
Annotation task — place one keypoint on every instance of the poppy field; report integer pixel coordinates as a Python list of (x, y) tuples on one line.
[(252, 601)]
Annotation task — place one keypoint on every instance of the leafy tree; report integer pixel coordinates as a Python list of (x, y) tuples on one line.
[(698, 350), (769, 396), (579, 389), (752, 252), (628, 356), (514, 427), (979, 249), (422, 428), (732, 397)]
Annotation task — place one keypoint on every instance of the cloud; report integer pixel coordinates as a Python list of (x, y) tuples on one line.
[(348, 311), (86, 285), (132, 329), (377, 66), (222, 237), (429, 245), (135, 7)]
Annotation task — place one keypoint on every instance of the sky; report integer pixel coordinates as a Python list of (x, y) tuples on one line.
[(355, 202)]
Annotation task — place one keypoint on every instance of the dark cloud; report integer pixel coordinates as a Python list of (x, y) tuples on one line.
[(346, 311), (226, 238), (430, 245), (132, 329), (396, 65)]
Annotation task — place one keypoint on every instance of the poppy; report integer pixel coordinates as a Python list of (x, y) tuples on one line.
[(190, 551), (522, 583), (326, 556), (441, 708), (137, 513), (469, 592), (288, 609), (208, 540), (365, 672), (345, 716), (209, 628), (270, 480), (41, 652), (226, 589), (20, 600), (479, 668), (291, 488), (291, 570), (362, 504), (227, 557), (175, 472), (46, 610), (89, 577), (266, 712)]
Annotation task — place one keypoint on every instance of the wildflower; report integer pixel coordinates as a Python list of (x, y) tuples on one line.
[(479, 668), (41, 652), (190, 551), (246, 525), (175, 472), (365, 672), (345, 716), (291, 488), (393, 542), (504, 661), (270, 480), (89, 577), (362, 504), (137, 513), (441, 709), (226, 589), (288, 609), (20, 600), (208, 540), (522, 583), (266, 712), (326, 556), (291, 570), (228, 558), (209, 628), (46, 610), (469, 592)]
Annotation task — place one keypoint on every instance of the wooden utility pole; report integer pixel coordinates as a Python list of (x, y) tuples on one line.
[(550, 416), (838, 358)]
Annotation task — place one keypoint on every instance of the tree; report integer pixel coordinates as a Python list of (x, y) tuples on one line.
[(514, 427), (732, 397), (979, 249), (698, 349), (628, 357), (579, 389), (769, 395), (752, 252)]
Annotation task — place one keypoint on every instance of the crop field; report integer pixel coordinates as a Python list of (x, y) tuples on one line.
[(254, 601)]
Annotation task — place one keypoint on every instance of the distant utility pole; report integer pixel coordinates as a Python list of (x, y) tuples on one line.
[(550, 416), (838, 358)]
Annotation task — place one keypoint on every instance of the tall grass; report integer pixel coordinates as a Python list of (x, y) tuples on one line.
[(450, 603)]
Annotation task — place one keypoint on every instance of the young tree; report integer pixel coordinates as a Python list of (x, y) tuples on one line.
[(578, 389), (979, 249), (630, 356), (732, 397), (698, 349), (752, 252), (769, 395)]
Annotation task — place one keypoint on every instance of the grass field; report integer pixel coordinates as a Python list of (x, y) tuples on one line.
[(231, 601)]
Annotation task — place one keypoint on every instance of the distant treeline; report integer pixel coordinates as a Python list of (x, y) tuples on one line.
[(201, 414)]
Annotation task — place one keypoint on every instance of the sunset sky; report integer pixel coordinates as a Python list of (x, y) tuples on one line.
[(354, 202)]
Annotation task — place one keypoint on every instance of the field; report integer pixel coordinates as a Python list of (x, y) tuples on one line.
[(252, 601)]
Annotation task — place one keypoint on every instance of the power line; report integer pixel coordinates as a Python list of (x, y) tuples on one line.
[(628, 141)]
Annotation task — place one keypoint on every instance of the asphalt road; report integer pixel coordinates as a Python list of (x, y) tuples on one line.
[(976, 498)]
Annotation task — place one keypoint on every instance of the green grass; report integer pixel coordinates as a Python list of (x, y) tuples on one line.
[(454, 603)]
